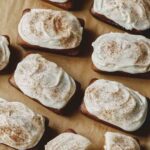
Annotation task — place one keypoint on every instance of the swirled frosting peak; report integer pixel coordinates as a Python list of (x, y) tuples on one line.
[(130, 14), (69, 141), (20, 127), (118, 141), (44, 81), (116, 104), (4, 52), (50, 29), (122, 52)]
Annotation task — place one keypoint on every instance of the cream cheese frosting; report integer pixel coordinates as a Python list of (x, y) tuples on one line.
[(118, 141), (130, 14), (20, 127), (44, 81), (51, 29), (122, 52), (69, 141), (4, 52), (59, 1), (116, 104)]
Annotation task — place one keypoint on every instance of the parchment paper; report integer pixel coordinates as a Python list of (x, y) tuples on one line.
[(79, 67)]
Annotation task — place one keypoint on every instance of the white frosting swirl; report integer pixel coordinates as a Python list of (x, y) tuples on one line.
[(69, 141), (118, 141), (116, 104), (59, 1), (4, 52), (50, 29), (44, 81), (20, 127), (130, 14), (122, 52)]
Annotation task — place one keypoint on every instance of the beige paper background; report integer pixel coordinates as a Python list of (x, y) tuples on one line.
[(78, 67)]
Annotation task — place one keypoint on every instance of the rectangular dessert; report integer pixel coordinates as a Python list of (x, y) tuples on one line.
[(61, 34), (123, 15), (58, 95)]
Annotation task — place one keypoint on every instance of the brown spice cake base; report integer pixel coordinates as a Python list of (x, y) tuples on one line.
[(69, 5)]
